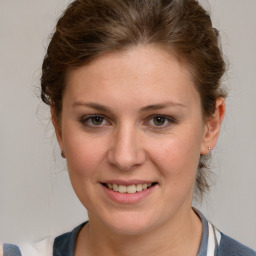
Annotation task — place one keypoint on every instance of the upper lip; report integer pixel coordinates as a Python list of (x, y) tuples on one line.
[(128, 182)]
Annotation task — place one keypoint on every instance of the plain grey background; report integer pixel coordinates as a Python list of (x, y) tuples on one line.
[(36, 198)]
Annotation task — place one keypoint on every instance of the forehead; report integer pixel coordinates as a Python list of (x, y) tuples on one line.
[(142, 73)]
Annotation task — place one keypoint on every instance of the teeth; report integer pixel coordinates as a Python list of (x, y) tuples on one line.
[(139, 187), (110, 186), (115, 187), (122, 189), (144, 186), (131, 189)]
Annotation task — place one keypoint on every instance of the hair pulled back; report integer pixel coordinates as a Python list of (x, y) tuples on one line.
[(91, 28)]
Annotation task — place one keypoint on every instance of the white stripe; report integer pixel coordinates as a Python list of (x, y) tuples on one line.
[(211, 241), (218, 235), (41, 248)]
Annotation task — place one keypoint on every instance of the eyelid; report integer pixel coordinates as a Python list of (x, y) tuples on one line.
[(171, 120), (84, 119)]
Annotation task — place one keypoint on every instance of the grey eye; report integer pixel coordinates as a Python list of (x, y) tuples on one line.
[(159, 120), (97, 120), (94, 121)]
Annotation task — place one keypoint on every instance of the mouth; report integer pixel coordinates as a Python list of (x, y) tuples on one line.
[(130, 189)]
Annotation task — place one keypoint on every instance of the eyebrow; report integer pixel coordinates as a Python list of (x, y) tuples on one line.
[(103, 108), (95, 106), (162, 106)]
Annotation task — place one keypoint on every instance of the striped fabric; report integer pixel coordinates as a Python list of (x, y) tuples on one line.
[(213, 243), (11, 250)]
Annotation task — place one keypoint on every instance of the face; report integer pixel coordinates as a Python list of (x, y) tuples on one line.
[(132, 132)]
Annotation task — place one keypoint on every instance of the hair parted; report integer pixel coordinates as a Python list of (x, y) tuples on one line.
[(90, 28)]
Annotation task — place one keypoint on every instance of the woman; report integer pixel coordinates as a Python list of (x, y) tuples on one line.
[(135, 97)]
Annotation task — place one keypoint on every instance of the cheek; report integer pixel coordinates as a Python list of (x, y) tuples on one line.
[(84, 158), (177, 157), (83, 154)]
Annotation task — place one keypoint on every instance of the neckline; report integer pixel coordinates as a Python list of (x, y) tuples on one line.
[(66, 242)]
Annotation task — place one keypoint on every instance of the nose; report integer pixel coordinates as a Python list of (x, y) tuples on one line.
[(126, 150)]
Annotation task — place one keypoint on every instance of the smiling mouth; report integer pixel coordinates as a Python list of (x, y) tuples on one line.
[(131, 189)]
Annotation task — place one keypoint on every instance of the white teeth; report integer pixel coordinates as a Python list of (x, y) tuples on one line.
[(131, 189), (144, 186), (110, 186), (122, 189), (115, 187), (139, 187)]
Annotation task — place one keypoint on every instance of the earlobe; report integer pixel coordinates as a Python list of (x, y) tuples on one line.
[(57, 128), (212, 127)]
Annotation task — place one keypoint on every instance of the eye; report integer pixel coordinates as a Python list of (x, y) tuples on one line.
[(159, 121), (94, 121)]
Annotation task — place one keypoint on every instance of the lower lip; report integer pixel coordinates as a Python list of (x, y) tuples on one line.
[(126, 198)]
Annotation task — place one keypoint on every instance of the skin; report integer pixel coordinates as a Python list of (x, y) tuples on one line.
[(128, 144)]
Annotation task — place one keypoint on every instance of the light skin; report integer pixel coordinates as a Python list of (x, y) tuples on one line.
[(136, 115)]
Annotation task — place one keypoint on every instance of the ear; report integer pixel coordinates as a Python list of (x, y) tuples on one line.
[(57, 128), (212, 127)]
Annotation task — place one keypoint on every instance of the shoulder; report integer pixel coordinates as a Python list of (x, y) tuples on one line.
[(65, 244), (57, 246), (214, 242), (40, 248), (228, 246)]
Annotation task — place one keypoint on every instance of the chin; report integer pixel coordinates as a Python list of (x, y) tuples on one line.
[(134, 223), (130, 229)]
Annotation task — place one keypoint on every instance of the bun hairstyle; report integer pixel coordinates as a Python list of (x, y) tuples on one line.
[(90, 28)]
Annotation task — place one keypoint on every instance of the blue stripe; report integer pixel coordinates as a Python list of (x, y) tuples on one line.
[(204, 240), (11, 250)]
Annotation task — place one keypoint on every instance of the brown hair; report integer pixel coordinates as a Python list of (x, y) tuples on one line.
[(90, 28)]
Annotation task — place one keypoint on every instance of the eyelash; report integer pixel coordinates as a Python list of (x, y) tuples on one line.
[(86, 119), (167, 120)]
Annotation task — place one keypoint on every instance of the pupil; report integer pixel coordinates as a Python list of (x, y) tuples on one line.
[(159, 120), (97, 120)]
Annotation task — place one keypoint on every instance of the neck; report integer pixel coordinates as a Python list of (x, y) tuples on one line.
[(180, 236)]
